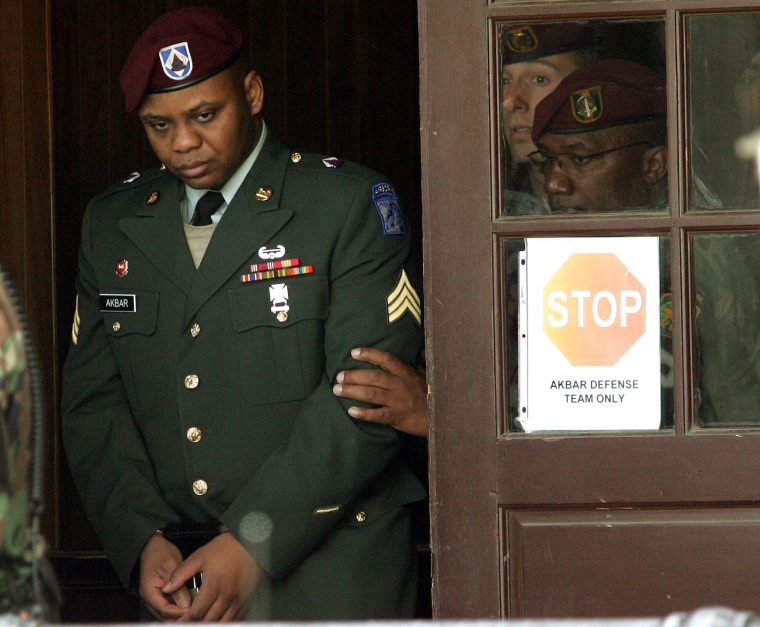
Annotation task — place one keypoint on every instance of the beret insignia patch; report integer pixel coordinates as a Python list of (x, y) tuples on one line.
[(176, 61), (587, 104), (521, 39)]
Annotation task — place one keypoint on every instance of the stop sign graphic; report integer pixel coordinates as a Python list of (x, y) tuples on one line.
[(594, 309)]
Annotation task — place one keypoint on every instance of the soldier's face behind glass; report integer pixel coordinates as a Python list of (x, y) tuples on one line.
[(204, 132), (747, 94), (628, 175), (524, 84)]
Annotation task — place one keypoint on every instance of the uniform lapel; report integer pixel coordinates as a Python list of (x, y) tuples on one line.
[(247, 225), (159, 234)]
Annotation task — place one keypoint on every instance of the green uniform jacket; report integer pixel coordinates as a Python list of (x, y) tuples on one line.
[(162, 349)]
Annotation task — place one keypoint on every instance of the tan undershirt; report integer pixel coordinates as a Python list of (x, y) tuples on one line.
[(198, 238)]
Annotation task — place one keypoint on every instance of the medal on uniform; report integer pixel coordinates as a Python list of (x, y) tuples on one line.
[(278, 294)]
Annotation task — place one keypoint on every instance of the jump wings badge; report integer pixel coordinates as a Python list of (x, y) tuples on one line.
[(521, 39), (586, 105), (404, 298)]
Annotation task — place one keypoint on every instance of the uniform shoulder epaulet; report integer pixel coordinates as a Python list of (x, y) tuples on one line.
[(132, 181), (314, 161)]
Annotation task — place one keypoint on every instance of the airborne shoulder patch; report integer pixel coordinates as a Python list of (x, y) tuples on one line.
[(387, 205), (403, 299)]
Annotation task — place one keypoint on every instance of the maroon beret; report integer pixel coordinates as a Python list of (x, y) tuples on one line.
[(526, 42), (607, 93), (181, 48)]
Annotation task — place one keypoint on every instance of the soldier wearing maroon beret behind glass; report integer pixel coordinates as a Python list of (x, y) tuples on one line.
[(535, 58), (218, 298), (602, 146), (602, 139)]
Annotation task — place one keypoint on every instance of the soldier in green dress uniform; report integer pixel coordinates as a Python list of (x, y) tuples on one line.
[(218, 297)]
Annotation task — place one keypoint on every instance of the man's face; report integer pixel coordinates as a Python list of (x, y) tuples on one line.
[(617, 180), (524, 84), (747, 94), (203, 133)]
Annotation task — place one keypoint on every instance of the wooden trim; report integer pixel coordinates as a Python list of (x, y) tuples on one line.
[(84, 569)]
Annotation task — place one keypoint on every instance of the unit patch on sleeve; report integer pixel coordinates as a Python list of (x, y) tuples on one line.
[(387, 205), (404, 299)]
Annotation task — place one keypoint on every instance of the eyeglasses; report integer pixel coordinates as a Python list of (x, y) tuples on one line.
[(545, 159)]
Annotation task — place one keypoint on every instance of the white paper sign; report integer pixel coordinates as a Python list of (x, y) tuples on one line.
[(589, 346)]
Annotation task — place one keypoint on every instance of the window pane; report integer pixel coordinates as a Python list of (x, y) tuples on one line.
[(512, 250), (724, 106), (726, 297), (601, 89)]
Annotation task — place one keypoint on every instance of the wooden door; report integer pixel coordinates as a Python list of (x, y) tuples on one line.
[(598, 523)]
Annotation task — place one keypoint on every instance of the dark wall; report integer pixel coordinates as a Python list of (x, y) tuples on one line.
[(340, 78)]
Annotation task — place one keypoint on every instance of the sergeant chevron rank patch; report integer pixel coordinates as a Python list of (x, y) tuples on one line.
[(404, 299), (75, 324)]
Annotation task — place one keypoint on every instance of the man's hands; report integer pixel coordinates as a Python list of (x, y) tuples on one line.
[(230, 574), (230, 577), (158, 560), (399, 389)]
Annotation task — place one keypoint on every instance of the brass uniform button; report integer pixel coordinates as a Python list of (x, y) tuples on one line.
[(152, 197), (361, 516), (194, 434), (116, 326), (195, 329), (192, 381), (264, 193), (295, 157), (282, 316), (200, 487)]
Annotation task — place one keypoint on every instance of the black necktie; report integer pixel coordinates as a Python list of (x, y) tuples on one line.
[(206, 207)]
